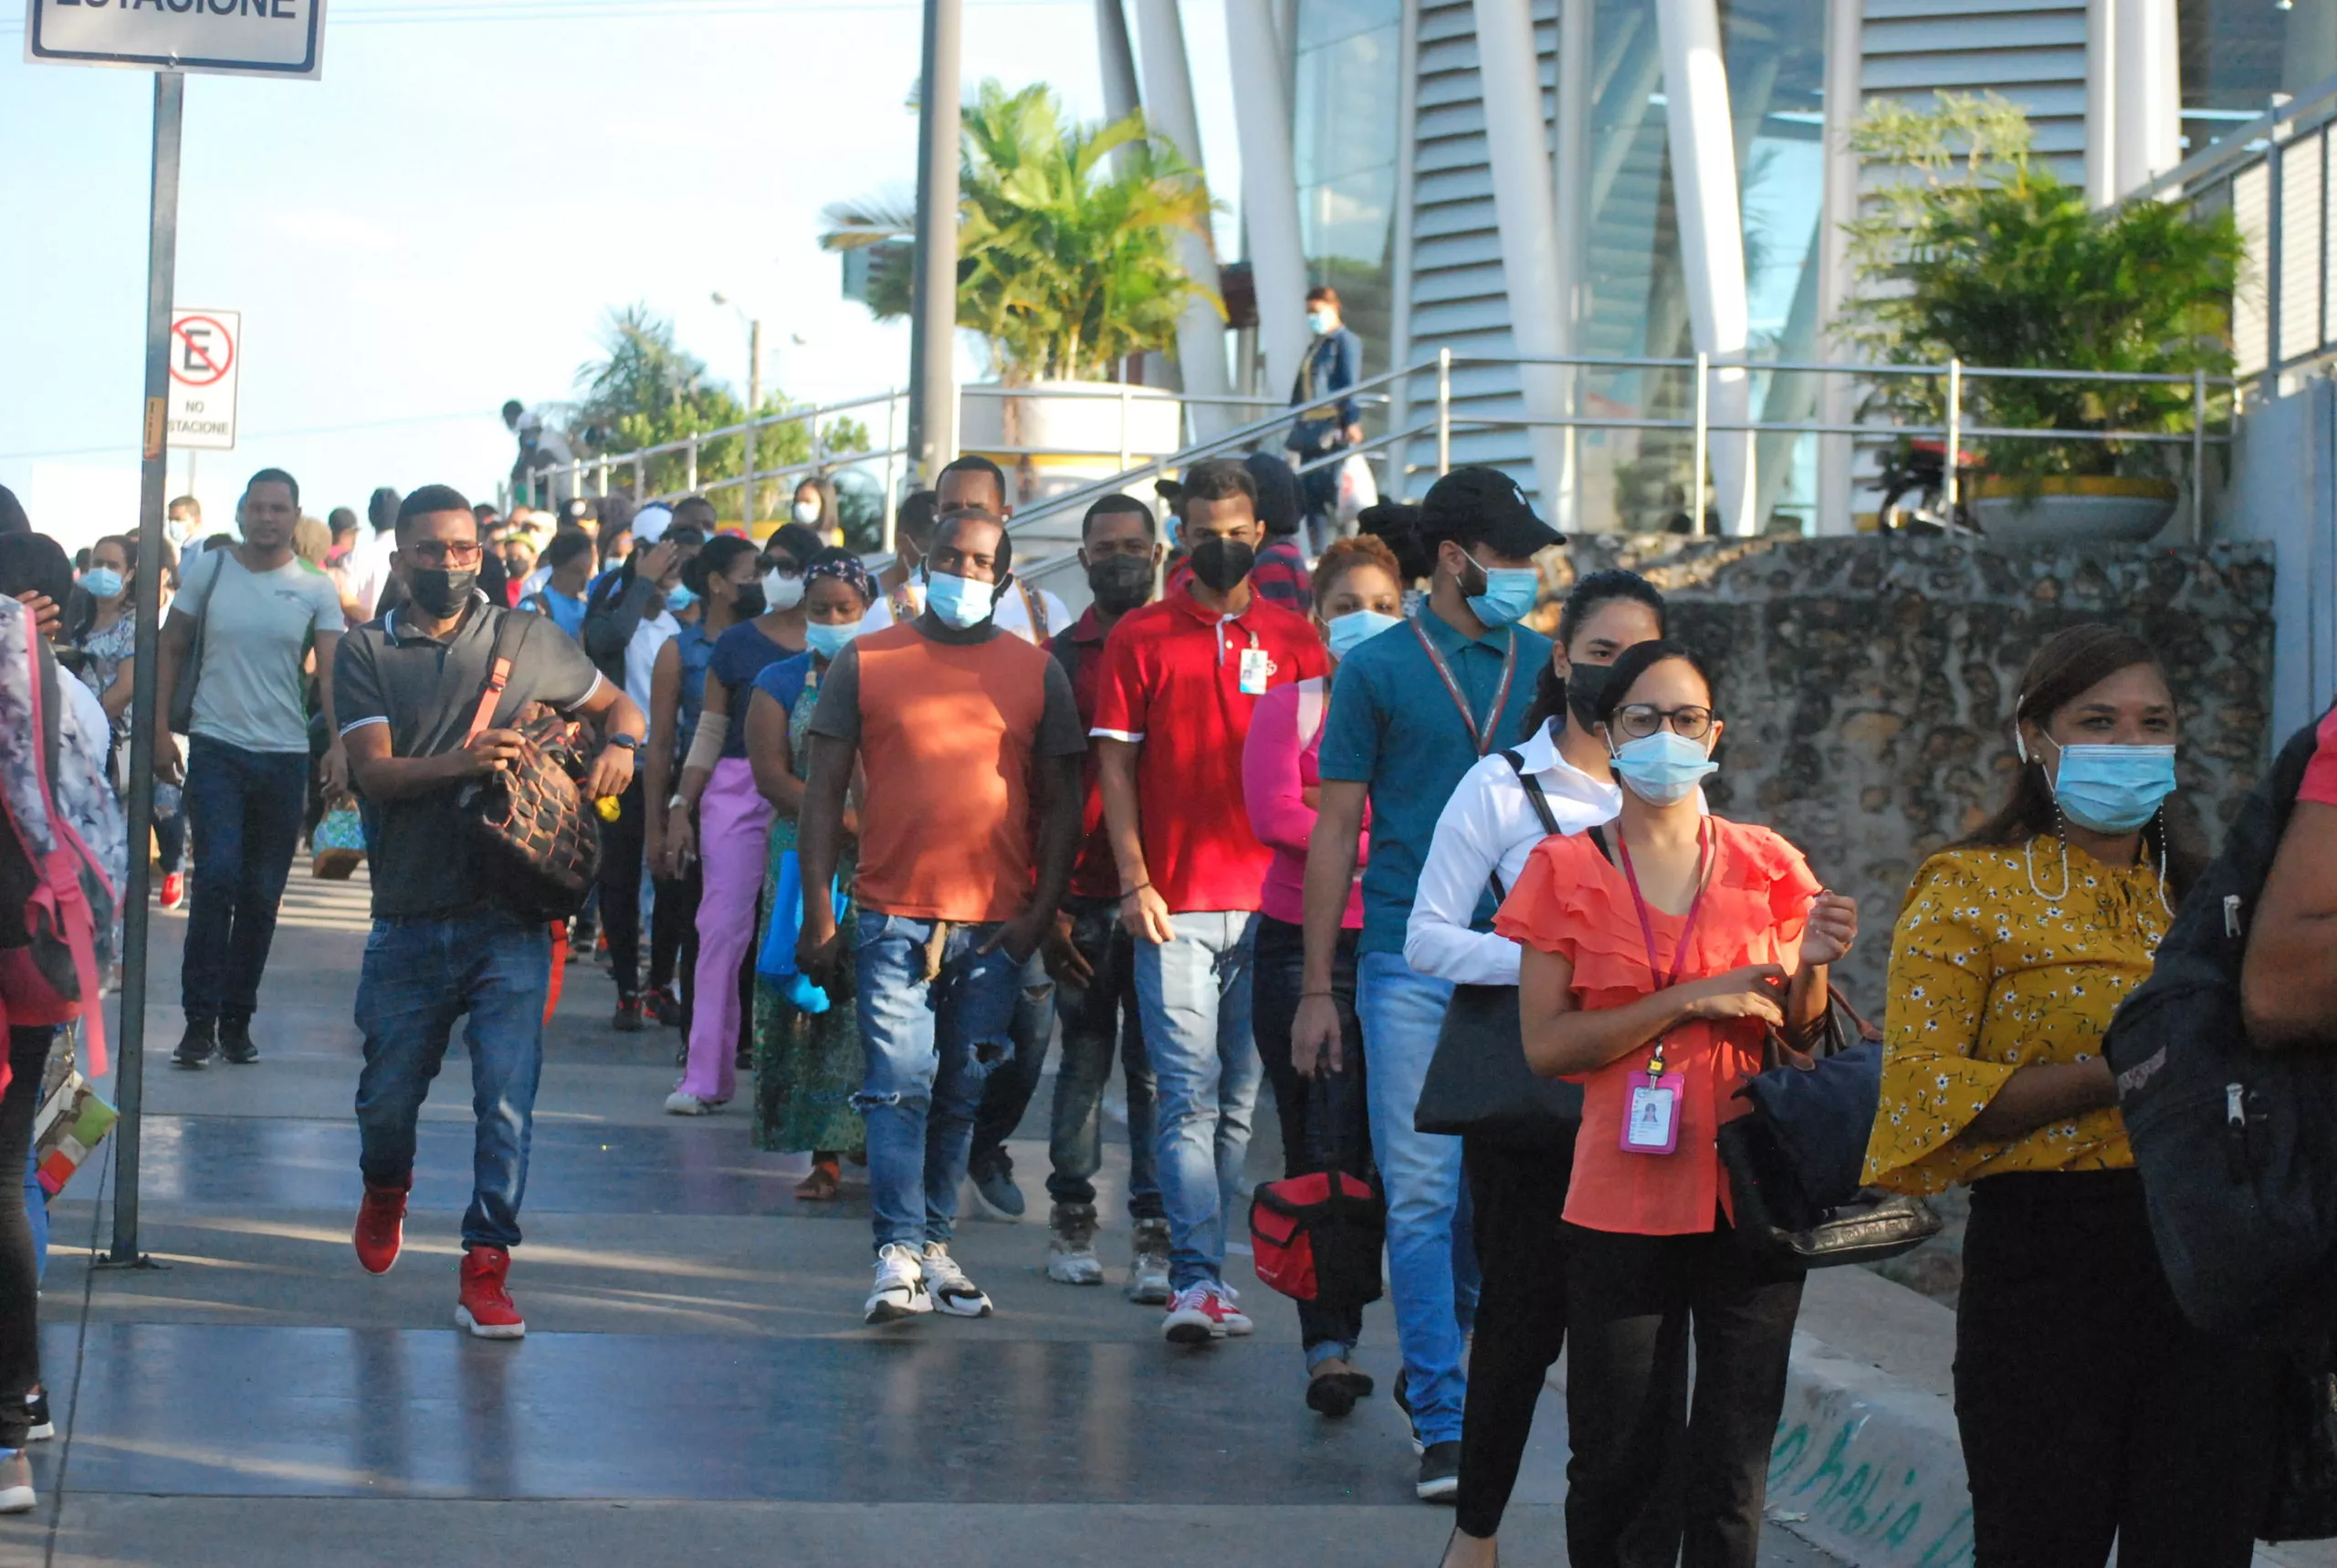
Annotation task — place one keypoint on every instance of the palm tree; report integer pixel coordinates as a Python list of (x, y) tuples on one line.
[(1066, 237)]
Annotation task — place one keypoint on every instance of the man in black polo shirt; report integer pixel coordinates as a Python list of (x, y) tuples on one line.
[(440, 944)]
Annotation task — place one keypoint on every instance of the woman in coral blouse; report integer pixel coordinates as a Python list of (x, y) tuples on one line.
[(1658, 952)]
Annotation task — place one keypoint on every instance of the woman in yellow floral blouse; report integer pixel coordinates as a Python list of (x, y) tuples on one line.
[(2090, 1410)]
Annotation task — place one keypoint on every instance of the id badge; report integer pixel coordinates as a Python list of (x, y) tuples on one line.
[(1650, 1114), (1256, 665)]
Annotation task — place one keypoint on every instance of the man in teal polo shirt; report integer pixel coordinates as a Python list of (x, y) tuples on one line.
[(1411, 711)]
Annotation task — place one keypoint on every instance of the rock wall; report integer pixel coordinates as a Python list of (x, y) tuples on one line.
[(1868, 682)]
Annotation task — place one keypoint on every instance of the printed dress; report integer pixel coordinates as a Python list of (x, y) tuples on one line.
[(807, 1066)]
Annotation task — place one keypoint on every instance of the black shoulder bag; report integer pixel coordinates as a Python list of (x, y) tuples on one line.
[(1478, 1083)]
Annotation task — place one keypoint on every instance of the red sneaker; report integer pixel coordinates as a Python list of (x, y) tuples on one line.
[(381, 1228), (487, 1309), (173, 890)]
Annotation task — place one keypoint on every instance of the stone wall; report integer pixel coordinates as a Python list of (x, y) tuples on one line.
[(1868, 682)]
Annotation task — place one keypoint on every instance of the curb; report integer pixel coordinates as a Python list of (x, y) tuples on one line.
[(1867, 1466)]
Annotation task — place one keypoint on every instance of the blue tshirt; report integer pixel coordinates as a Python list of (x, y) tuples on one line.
[(785, 680), (740, 655), (567, 613), (1394, 726)]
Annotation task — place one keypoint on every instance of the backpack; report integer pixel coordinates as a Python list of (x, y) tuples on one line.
[(54, 892), (2238, 1147)]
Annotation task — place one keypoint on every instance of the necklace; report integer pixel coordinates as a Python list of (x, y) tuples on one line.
[(2060, 832)]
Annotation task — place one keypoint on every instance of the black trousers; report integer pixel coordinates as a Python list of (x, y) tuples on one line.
[(1654, 1478), (2089, 1409), (1277, 975), (1517, 1195), (621, 847), (19, 1270), (673, 936)]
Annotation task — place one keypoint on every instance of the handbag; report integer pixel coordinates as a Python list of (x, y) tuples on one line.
[(71, 1122), (1318, 1237), (1795, 1158), (337, 848), (191, 667), (535, 839), (1478, 1083)]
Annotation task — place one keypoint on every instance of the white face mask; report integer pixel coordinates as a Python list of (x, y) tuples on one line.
[(781, 591), (807, 512)]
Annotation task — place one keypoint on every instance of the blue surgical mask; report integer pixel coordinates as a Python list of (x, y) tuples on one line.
[(829, 641), (680, 598), (1353, 630), (1318, 323), (102, 581), (1511, 592), (959, 602), (2114, 789), (1663, 769)]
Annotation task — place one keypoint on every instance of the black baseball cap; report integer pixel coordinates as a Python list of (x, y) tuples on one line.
[(1478, 504)]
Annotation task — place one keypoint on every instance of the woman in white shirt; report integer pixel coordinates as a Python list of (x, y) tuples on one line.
[(1517, 1185)]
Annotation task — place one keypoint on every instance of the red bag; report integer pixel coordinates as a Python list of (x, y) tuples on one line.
[(1318, 1238)]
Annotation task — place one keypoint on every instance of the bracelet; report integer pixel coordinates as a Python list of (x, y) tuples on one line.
[(1140, 887)]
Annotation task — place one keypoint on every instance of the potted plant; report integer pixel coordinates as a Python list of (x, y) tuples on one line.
[(1066, 269), (1975, 253)]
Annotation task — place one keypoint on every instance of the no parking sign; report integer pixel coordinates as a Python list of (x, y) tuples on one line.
[(207, 351)]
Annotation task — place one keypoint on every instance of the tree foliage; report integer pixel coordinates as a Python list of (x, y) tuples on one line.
[(1066, 237), (1977, 253), (646, 389)]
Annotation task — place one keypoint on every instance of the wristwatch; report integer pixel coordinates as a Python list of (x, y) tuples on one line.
[(632, 743)]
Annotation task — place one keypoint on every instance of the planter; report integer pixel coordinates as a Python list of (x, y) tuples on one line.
[(1079, 430), (2074, 508)]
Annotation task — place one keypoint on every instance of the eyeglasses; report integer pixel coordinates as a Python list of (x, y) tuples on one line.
[(1639, 720), (445, 552)]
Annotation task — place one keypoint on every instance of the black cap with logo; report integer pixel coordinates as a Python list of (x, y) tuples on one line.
[(1484, 506)]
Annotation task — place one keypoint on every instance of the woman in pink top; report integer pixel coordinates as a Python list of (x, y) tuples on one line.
[(1358, 594)]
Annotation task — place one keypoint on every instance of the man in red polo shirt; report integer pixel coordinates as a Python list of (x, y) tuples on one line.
[(1180, 681)]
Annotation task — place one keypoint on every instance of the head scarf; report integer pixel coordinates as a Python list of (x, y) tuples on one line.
[(846, 570)]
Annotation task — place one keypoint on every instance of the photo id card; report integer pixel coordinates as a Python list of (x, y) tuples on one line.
[(1256, 666), (1650, 1114)]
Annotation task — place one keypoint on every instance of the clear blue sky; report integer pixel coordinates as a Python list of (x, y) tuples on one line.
[(444, 219)]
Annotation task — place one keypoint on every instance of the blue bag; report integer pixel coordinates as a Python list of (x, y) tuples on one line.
[(776, 962)]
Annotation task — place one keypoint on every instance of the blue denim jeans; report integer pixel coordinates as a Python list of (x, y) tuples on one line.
[(419, 976), (929, 1045), (1098, 1019), (1431, 1267), (1006, 1092), (37, 1213), (1194, 993), (244, 809)]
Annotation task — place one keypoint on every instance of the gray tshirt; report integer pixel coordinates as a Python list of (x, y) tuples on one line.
[(256, 630)]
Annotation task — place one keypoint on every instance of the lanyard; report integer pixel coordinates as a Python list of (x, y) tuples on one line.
[(1704, 857), (1225, 620), (1482, 737)]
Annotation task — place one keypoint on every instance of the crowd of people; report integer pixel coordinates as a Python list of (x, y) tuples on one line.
[(1256, 815)]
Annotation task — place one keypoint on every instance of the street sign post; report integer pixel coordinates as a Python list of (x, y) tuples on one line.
[(228, 38), (206, 357), (233, 38)]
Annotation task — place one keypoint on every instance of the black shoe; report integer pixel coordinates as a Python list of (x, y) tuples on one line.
[(1334, 1393), (629, 1016), (199, 1044), (38, 1424), (235, 1041), (665, 1008), (1440, 1472)]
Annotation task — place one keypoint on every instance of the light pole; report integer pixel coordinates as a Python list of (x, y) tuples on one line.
[(754, 396), (933, 314)]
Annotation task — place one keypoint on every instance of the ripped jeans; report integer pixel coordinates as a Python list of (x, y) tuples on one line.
[(929, 1045)]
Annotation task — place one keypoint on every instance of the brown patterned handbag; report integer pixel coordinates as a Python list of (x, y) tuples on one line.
[(536, 838)]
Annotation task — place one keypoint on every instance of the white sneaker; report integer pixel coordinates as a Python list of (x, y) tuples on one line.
[(899, 1291), (1148, 1263), (947, 1283), (1202, 1313), (1071, 1246), (15, 1482), (680, 1104)]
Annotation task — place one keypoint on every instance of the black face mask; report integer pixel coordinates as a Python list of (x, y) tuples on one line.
[(439, 592), (749, 603), (1120, 582), (1584, 686), (1221, 563)]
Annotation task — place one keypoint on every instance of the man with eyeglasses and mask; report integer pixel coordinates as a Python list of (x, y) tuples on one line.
[(967, 741), (1411, 712), (441, 945)]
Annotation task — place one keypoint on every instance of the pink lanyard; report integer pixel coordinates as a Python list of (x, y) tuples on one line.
[(1663, 982), (1480, 738)]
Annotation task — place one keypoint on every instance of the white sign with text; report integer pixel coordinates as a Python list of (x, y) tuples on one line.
[(206, 361), (234, 37)]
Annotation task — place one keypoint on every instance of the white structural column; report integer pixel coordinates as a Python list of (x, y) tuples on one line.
[(1837, 397), (1269, 187), (2148, 95), (1117, 60), (2102, 101), (1169, 106), (1570, 171), (1711, 239), (1509, 72)]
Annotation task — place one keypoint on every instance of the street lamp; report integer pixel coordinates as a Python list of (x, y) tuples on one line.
[(754, 396)]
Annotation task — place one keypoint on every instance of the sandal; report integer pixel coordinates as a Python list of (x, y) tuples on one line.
[(824, 1185)]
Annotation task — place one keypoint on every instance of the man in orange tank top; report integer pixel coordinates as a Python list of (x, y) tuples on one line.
[(969, 743)]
